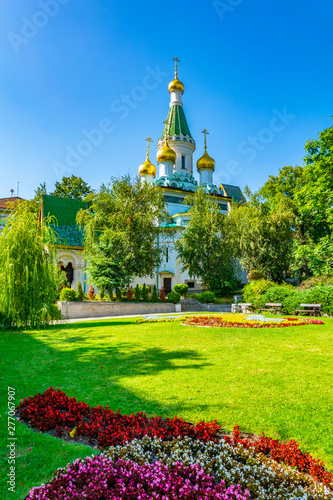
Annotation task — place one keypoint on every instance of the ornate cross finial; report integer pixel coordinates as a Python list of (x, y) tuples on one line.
[(206, 133), (166, 122), (149, 140), (176, 65)]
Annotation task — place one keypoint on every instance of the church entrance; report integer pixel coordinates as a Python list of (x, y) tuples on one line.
[(167, 285)]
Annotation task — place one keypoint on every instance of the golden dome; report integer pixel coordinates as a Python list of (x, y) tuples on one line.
[(206, 162), (166, 154), (147, 168), (176, 85)]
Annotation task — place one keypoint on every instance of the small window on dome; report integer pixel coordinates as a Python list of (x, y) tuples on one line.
[(183, 162)]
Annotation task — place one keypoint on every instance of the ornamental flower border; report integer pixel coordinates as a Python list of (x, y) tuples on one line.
[(55, 411), (239, 321)]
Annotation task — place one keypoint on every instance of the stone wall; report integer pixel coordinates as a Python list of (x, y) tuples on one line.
[(73, 310)]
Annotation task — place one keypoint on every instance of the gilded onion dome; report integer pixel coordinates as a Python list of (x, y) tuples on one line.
[(166, 153), (205, 162), (147, 168), (176, 85)]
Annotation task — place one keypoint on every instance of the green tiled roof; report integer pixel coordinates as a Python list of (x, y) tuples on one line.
[(234, 192), (177, 122), (64, 211)]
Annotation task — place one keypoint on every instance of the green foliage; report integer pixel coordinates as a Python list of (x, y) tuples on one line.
[(55, 313), (206, 297), (29, 275), (137, 294), (121, 232), (144, 293), (204, 248), (254, 291), (119, 295), (255, 275), (80, 293), (71, 187), (317, 281), (182, 288), (154, 296), (174, 297), (277, 293), (67, 294), (41, 189)]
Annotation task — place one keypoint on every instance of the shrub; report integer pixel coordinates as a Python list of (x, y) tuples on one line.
[(102, 292), (162, 295), (181, 288), (255, 275), (54, 315), (277, 293), (91, 293), (119, 294), (137, 293), (130, 294), (67, 294), (144, 293), (317, 281), (253, 292), (154, 296), (80, 293), (174, 297), (206, 297)]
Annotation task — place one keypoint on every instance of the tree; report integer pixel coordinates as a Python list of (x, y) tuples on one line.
[(263, 236), (71, 187), (41, 189), (28, 271), (122, 225), (204, 247), (315, 203)]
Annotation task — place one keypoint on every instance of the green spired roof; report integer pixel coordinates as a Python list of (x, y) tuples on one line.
[(177, 122), (64, 211), (233, 192)]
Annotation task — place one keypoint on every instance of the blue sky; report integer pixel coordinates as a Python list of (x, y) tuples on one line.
[(258, 75)]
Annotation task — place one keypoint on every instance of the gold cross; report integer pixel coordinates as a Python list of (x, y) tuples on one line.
[(166, 122), (149, 140), (176, 65), (206, 133)]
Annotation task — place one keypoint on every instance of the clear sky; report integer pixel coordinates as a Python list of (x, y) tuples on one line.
[(258, 75)]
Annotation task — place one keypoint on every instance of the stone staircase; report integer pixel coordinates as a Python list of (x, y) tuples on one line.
[(192, 305)]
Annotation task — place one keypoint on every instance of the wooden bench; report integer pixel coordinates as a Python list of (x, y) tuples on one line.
[(310, 309), (272, 307), (244, 307)]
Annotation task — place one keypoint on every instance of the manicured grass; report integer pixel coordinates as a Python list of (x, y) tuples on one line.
[(275, 380)]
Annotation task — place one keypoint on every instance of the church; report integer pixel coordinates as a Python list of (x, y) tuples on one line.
[(175, 175)]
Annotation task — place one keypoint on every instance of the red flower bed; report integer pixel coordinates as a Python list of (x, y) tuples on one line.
[(239, 321), (288, 453), (54, 410)]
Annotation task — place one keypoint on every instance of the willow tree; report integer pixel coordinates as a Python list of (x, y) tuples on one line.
[(28, 270)]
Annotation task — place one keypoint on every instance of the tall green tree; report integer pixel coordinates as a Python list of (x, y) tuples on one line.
[(122, 226), (315, 203), (28, 271), (263, 235), (71, 187), (204, 248)]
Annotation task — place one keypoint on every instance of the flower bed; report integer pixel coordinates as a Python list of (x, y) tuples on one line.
[(174, 451), (240, 321), (99, 478), (234, 464), (55, 411)]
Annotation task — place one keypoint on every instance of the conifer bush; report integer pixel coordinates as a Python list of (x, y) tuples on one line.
[(67, 294), (130, 294), (162, 294), (79, 293), (137, 294), (154, 296), (174, 297), (144, 293)]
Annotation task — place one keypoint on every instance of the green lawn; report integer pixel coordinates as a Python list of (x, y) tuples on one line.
[(275, 380)]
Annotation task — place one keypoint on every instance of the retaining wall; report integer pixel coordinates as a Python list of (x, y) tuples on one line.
[(72, 310)]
